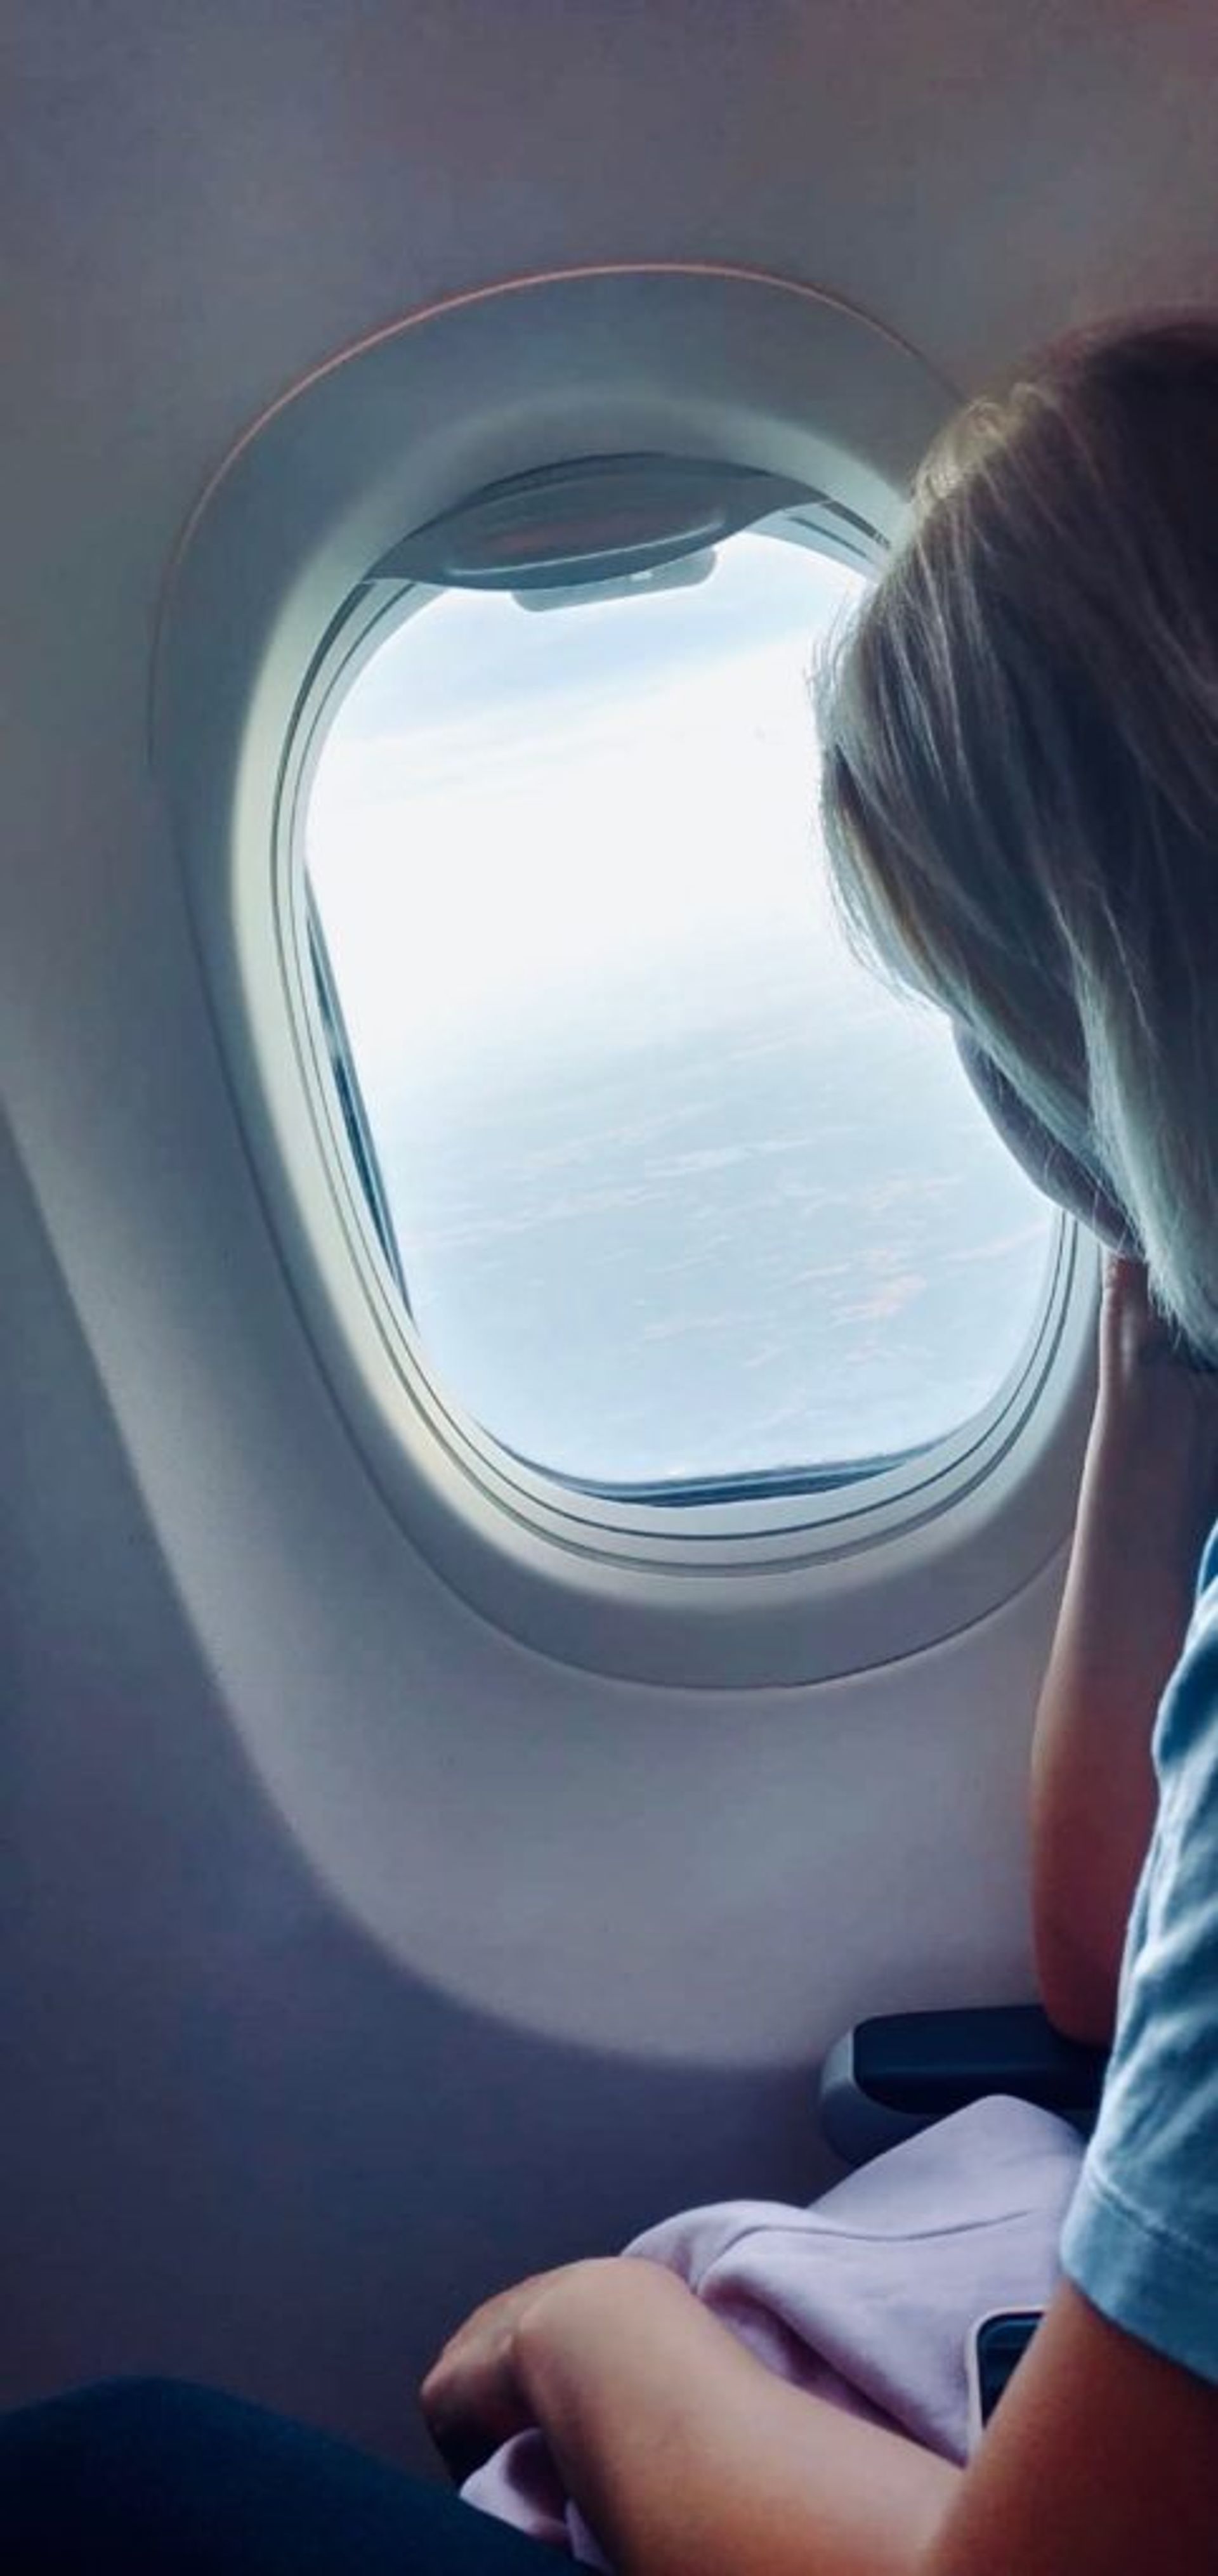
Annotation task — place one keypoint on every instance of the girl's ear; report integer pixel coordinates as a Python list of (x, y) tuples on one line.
[(1063, 1176)]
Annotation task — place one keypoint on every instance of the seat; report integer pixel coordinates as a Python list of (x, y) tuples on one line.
[(899, 2072)]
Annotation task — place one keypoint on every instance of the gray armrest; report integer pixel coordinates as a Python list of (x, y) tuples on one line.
[(897, 2074)]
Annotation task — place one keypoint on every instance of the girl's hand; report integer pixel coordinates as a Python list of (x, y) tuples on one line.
[(1139, 1351), (1133, 1338), (1156, 1418), (472, 2398)]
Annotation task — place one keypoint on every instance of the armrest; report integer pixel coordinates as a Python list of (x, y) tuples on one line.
[(892, 2076)]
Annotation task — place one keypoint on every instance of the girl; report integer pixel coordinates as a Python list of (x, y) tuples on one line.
[(1020, 797)]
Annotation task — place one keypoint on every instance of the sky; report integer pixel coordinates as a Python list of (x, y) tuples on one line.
[(677, 1185), (518, 815)]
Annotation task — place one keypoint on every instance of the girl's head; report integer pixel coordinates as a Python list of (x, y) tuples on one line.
[(1020, 768)]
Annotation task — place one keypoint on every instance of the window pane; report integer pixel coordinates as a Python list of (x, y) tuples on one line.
[(679, 1192)]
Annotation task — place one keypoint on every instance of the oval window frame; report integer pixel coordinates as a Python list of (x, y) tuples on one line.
[(707, 362)]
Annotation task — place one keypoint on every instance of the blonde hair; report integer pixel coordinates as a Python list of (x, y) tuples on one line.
[(1020, 766)]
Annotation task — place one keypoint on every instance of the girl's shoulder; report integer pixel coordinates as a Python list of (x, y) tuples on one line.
[(1141, 2239)]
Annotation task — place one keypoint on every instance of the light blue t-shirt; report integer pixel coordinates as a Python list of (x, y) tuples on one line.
[(1141, 2237)]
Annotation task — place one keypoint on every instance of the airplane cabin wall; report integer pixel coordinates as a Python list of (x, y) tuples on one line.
[(356, 1958)]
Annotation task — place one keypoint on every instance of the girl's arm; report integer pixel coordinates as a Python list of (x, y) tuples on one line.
[(1148, 1494), (688, 2458)]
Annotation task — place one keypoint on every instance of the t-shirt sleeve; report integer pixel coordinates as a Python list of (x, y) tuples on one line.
[(1141, 2236)]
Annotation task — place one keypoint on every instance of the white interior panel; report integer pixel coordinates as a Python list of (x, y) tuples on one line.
[(357, 1958)]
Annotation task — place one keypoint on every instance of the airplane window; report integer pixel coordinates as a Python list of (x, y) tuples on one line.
[(680, 1201)]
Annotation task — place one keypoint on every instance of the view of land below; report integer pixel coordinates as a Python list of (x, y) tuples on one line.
[(757, 1246)]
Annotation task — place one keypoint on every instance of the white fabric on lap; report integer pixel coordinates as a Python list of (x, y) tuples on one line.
[(866, 2298)]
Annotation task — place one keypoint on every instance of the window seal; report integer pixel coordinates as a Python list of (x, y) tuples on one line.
[(588, 1512), (694, 358)]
